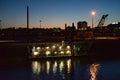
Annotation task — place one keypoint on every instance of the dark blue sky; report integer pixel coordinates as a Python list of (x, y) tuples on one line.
[(55, 13)]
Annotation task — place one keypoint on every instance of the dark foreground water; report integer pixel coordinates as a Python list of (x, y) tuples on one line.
[(62, 69)]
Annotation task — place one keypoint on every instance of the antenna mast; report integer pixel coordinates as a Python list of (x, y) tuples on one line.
[(40, 23), (0, 24), (27, 14)]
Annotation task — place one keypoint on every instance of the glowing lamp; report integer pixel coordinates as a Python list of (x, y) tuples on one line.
[(93, 13), (35, 53)]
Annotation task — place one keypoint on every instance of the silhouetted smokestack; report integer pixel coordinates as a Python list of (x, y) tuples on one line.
[(72, 24), (65, 26), (27, 17)]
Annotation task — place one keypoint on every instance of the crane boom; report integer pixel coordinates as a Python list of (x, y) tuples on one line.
[(101, 23)]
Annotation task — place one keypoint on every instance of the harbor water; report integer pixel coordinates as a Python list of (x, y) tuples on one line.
[(62, 69), (104, 65)]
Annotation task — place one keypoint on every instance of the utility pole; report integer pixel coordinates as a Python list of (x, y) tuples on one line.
[(27, 14), (40, 23), (0, 24)]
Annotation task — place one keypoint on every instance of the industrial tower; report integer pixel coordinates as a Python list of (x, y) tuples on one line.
[(102, 20)]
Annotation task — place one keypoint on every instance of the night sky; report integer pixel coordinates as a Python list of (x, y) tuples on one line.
[(55, 13)]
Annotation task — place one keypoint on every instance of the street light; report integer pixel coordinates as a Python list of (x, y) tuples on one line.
[(93, 14)]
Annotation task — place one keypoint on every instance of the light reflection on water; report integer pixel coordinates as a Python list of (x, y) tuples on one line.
[(51, 67), (64, 70), (36, 67), (55, 67), (68, 65), (47, 67), (93, 71)]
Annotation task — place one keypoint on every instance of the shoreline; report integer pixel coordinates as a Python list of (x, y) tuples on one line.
[(99, 49)]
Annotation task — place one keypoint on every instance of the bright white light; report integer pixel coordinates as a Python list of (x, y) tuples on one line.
[(93, 13), (35, 53), (60, 47), (68, 52), (47, 47), (38, 48), (47, 53), (62, 52), (53, 47), (68, 47), (55, 52), (115, 23)]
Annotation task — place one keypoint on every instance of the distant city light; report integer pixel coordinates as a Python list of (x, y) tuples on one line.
[(115, 23)]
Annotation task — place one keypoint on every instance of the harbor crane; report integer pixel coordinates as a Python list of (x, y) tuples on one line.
[(102, 20)]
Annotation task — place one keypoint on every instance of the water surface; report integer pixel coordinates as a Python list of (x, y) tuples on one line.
[(62, 69)]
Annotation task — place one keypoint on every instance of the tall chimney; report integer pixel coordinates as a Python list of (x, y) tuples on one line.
[(27, 17), (65, 26), (72, 24)]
